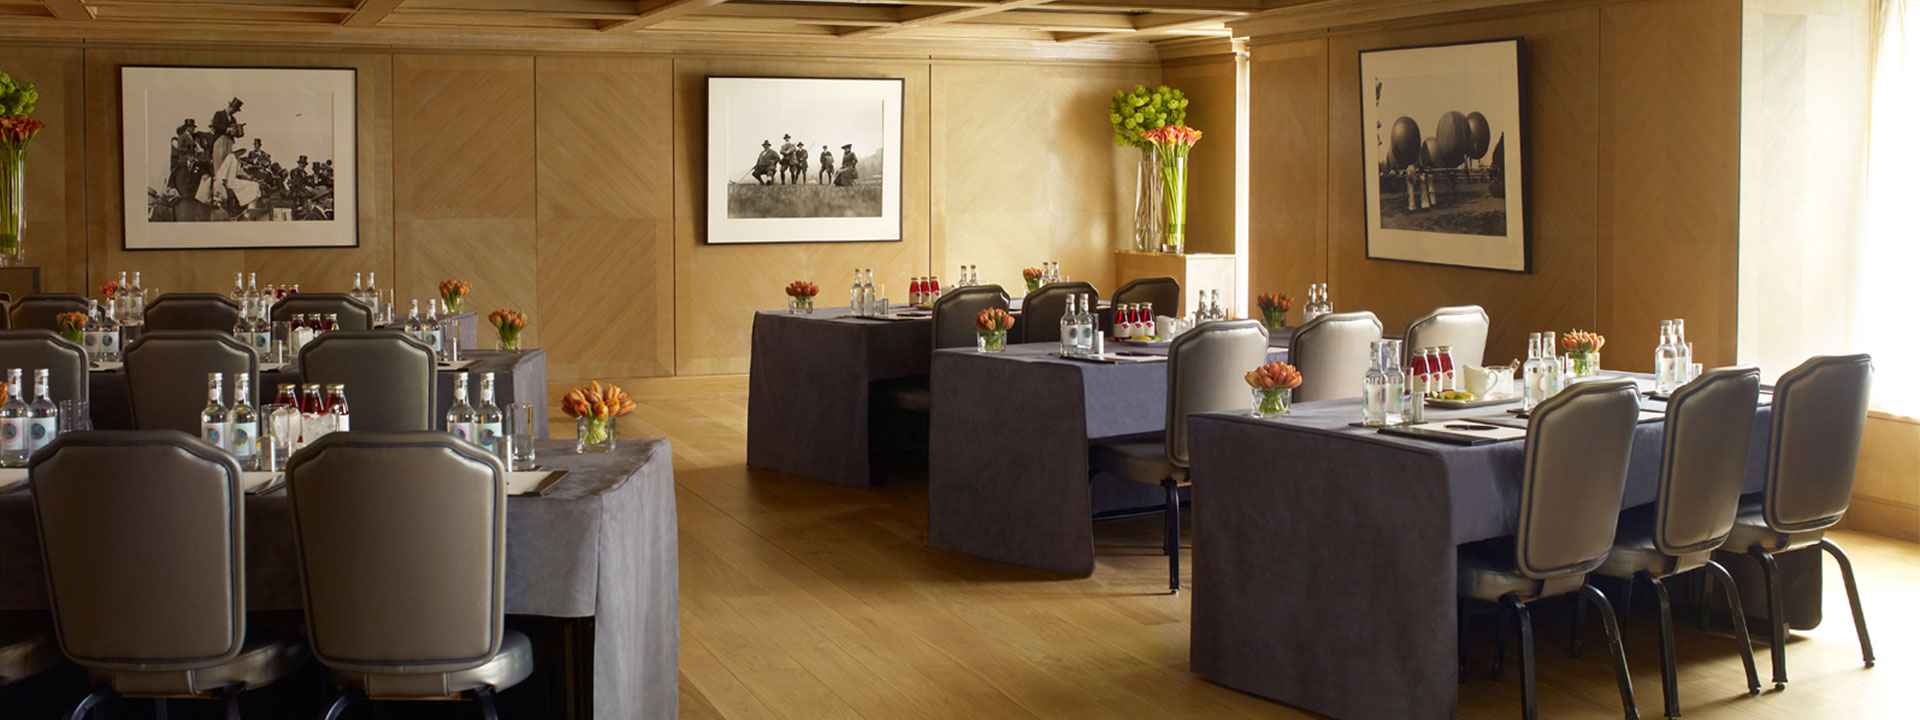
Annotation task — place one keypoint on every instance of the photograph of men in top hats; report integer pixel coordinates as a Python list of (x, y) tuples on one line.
[(763, 137), (201, 147)]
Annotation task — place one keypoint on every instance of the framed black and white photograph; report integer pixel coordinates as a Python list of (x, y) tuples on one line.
[(803, 159), (238, 157), (1444, 131)]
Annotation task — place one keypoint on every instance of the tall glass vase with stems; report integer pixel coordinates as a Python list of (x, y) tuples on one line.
[(1173, 173), (1148, 202), (13, 195)]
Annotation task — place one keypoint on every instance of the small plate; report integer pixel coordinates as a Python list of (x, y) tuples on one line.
[(1465, 404)]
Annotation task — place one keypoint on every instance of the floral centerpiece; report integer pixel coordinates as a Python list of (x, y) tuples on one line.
[(1174, 142), (1273, 385), (593, 409), (451, 292), (73, 326), (508, 324), (1032, 276), (16, 130), (1583, 349), (1134, 113), (800, 296), (1274, 309), (111, 289), (992, 325)]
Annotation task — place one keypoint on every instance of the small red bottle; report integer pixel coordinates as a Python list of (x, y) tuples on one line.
[(288, 396), (933, 288)]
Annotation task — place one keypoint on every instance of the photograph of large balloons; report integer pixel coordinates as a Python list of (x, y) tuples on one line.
[(1427, 150), (1452, 138), (1406, 141), (1478, 135)]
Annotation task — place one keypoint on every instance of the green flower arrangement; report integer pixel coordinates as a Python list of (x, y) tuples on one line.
[(17, 102), (1143, 109)]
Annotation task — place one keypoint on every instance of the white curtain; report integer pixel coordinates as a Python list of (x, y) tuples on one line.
[(1886, 289)]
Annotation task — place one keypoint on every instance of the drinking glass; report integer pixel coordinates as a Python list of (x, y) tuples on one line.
[(520, 419), (74, 415), (386, 307)]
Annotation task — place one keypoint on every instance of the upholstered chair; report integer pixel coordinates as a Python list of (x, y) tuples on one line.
[(1463, 328), (354, 315), (1333, 353), (389, 377), (1041, 310), (953, 314), (1205, 371), (65, 361), (1163, 293), (1819, 415), (390, 616), (192, 311), (167, 376), (38, 312)]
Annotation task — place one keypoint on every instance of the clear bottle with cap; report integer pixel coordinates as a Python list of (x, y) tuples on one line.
[(430, 326), (1086, 325), (1530, 372), (262, 328), (460, 416), (239, 287), (1555, 373), (13, 423), (90, 332), (1373, 388), (358, 293), (1683, 354), (215, 425), (412, 327), (243, 425), (372, 295), (1070, 328), (243, 325), (43, 417), (1396, 382), (1666, 361), (489, 421)]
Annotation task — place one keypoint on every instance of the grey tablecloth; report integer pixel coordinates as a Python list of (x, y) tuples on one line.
[(520, 376), (602, 543), (1007, 467), (1324, 554)]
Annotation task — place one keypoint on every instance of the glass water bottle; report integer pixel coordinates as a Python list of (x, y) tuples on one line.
[(43, 418), (1373, 388), (214, 420), (1530, 374), (489, 421), (243, 425), (13, 424), (460, 417)]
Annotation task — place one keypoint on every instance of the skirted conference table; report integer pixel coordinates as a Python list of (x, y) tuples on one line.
[(810, 384), (1324, 554), (598, 551), (1007, 466), (519, 376)]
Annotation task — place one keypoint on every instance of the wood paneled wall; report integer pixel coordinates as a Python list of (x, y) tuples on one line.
[(1212, 83), (566, 185), (1633, 176)]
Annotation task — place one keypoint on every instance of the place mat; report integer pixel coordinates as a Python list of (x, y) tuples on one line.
[(1144, 343), (1468, 404), (462, 365), (1114, 358), (261, 483), (105, 366), (532, 482), (1519, 419), (892, 317), (1457, 432), (273, 366)]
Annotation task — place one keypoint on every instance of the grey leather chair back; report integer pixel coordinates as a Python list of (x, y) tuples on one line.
[(6, 313), (38, 312), (1163, 292), (953, 314), (1463, 328), (401, 539), (353, 314), (141, 533), (389, 377), (1819, 414), (167, 376), (65, 361), (1333, 353), (1578, 444), (1206, 370), (1703, 459), (1041, 310), (192, 311)]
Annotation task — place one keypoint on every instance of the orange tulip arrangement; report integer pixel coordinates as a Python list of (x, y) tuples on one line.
[(992, 324), (1274, 309), (1173, 142), (1032, 276), (1583, 349), (72, 325), (800, 296), (451, 291), (594, 407), (508, 323), (1273, 385), (111, 289)]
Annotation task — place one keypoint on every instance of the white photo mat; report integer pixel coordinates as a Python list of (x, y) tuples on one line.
[(742, 112)]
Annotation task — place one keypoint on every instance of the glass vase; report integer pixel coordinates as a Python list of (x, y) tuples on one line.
[(800, 305), (991, 341), (451, 303), (1147, 202), (593, 436), (1272, 402), (13, 196), (1275, 318), (1175, 175), (509, 342), (1584, 364)]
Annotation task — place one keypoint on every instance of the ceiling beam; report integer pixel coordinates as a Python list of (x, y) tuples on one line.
[(68, 9), (941, 17), (654, 12), (368, 13), (1153, 23)]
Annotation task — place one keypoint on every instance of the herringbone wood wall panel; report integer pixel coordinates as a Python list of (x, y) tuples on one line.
[(1287, 213), (1643, 93), (1212, 85), (56, 210)]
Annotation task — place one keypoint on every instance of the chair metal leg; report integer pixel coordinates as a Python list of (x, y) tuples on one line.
[(1173, 535), (485, 696), (1461, 634), (1605, 609), (1669, 676), (1725, 579), (1499, 643), (1853, 598), (1706, 603), (1529, 704), (1776, 615), (341, 699), (159, 709), (90, 703), (1578, 640), (233, 704)]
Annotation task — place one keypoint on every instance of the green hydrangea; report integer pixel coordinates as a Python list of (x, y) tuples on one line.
[(1142, 109), (15, 98)]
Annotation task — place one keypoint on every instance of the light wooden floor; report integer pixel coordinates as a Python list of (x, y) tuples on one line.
[(803, 600)]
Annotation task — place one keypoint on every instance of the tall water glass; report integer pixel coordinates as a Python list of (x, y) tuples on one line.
[(520, 419), (386, 308)]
